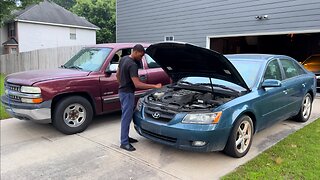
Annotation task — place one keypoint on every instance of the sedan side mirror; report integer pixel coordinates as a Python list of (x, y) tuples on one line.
[(271, 83), (112, 68)]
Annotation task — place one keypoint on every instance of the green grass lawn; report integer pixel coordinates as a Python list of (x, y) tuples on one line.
[(295, 157), (3, 114)]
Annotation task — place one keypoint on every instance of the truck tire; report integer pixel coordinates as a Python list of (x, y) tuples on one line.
[(72, 114)]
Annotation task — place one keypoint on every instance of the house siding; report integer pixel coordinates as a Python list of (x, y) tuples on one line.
[(3, 37), (192, 21), (38, 36)]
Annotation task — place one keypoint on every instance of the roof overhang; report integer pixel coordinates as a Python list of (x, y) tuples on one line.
[(56, 24)]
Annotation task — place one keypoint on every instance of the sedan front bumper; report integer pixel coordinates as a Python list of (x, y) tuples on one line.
[(35, 112), (182, 136)]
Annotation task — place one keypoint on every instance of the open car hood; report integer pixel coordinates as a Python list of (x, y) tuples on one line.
[(181, 60)]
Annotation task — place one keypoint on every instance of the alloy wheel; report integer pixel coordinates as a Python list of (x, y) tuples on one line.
[(306, 107), (243, 136)]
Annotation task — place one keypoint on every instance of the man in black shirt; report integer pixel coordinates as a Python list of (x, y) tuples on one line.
[(127, 76)]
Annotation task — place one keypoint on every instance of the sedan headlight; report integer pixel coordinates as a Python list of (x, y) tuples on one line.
[(204, 118), (139, 104), (30, 89)]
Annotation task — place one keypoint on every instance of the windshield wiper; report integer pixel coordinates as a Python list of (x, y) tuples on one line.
[(74, 67), (185, 82), (63, 66), (220, 86)]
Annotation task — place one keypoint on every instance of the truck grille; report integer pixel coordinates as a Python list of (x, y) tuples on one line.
[(158, 114), (12, 88)]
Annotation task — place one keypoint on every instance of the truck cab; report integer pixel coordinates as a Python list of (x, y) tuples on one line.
[(71, 95)]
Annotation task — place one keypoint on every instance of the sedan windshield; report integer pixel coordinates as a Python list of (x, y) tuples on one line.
[(216, 83), (249, 70), (88, 59)]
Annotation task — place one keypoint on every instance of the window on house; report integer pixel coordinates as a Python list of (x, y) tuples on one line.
[(169, 38), (11, 30), (13, 51), (73, 34)]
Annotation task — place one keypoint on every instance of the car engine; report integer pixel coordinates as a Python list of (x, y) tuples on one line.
[(184, 99)]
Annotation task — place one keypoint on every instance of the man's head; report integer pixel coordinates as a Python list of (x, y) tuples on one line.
[(137, 52)]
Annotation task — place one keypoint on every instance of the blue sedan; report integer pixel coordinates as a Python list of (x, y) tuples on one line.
[(216, 102)]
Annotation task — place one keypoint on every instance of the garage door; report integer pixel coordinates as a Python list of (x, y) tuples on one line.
[(297, 45)]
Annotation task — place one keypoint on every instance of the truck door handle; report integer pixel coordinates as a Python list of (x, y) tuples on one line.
[(143, 77)]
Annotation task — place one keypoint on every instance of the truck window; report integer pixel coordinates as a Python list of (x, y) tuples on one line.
[(88, 59)]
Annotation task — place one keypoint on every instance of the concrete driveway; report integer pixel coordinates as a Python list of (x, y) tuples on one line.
[(36, 151)]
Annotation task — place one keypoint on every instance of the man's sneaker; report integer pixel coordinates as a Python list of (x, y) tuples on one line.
[(127, 147), (132, 140)]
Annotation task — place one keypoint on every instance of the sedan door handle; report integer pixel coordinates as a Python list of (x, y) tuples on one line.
[(285, 91)]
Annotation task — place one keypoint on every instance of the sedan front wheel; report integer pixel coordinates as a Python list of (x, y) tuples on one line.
[(240, 139)]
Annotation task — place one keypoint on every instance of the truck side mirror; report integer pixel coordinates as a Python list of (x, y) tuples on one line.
[(112, 68)]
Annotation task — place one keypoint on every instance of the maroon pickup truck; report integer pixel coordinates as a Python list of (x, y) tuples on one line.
[(69, 96)]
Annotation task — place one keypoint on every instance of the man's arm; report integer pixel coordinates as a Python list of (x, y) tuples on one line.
[(140, 85)]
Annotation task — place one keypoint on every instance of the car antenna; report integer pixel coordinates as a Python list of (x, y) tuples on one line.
[(211, 85)]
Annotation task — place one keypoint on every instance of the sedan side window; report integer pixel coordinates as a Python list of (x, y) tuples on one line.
[(289, 68), (150, 62), (273, 71)]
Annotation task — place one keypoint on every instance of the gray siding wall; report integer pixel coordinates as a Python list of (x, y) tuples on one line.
[(193, 20)]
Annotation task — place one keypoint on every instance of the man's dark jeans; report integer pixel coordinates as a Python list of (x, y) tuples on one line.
[(127, 108)]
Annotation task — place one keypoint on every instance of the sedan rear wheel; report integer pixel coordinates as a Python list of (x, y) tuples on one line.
[(305, 110), (240, 139)]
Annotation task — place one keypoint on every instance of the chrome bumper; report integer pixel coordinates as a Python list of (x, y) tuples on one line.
[(42, 115)]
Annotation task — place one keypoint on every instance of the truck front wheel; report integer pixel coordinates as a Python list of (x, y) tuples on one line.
[(72, 114)]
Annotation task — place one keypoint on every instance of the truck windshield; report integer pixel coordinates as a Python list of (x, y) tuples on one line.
[(88, 59)]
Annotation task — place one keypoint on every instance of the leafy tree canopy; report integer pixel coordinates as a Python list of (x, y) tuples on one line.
[(102, 14)]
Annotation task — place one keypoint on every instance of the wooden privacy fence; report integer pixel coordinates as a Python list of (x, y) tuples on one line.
[(38, 59)]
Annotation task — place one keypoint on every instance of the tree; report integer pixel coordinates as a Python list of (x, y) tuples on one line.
[(8, 6), (67, 4), (102, 13)]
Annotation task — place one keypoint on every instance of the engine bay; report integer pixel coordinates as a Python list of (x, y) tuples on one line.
[(187, 100)]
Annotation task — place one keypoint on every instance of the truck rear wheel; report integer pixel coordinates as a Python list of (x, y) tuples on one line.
[(72, 114)]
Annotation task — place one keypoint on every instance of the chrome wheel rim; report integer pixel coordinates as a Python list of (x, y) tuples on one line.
[(306, 107), (243, 136), (74, 115)]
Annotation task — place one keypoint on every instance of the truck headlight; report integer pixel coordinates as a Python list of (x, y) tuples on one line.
[(30, 89), (204, 118)]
